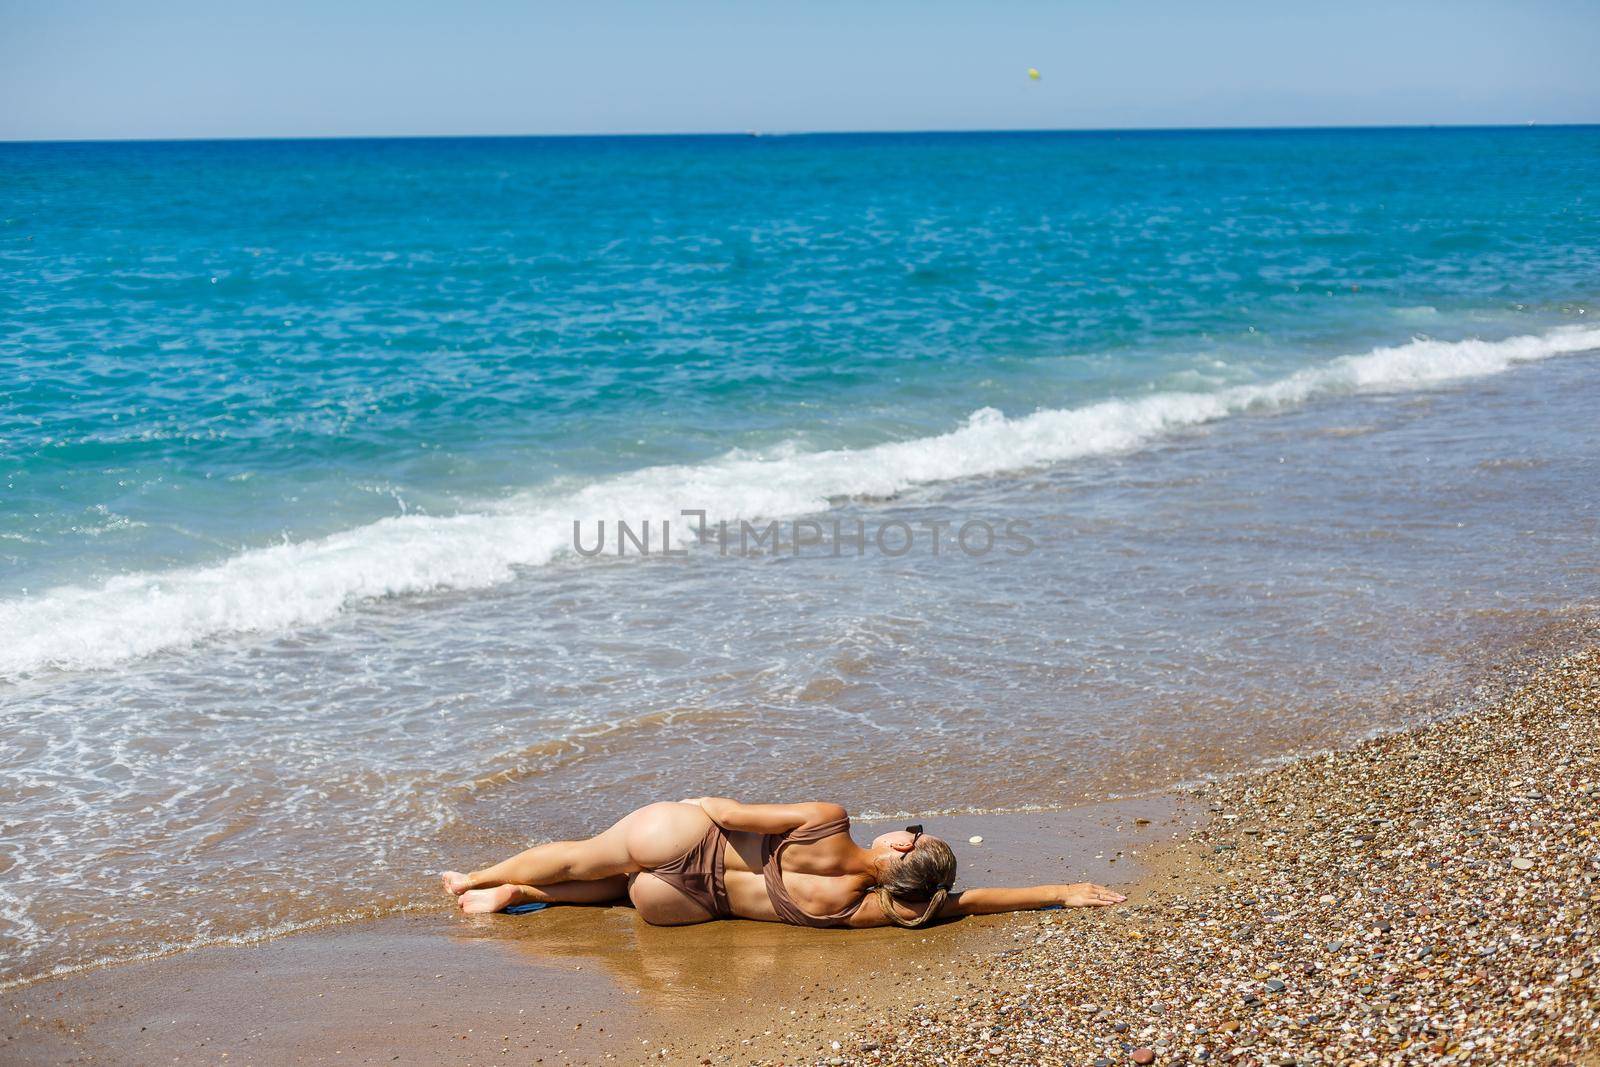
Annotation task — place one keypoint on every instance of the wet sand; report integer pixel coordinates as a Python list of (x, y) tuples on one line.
[(567, 985), (1432, 896), (1427, 895)]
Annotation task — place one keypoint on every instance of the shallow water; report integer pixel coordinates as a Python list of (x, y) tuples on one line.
[(289, 585)]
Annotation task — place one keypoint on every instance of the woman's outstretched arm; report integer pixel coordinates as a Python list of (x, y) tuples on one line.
[(766, 818), (1029, 898)]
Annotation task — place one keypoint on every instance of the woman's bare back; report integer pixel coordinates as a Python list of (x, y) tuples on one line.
[(660, 833)]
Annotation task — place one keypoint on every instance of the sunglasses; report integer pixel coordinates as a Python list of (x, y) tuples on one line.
[(915, 831)]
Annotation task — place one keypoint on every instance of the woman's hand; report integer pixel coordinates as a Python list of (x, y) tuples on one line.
[(1087, 895)]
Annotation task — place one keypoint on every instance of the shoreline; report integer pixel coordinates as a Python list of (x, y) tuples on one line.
[(1064, 714), (1429, 895), (566, 985), (584, 985)]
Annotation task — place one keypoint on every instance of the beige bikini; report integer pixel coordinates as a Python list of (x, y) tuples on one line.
[(701, 874)]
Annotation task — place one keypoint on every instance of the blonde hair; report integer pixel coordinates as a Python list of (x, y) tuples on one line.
[(927, 872)]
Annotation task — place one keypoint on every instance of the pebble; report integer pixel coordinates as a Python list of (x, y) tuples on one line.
[(1143, 1055), (975, 839)]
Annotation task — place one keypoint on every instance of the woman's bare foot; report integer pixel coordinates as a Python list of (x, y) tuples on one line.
[(486, 901), (455, 883)]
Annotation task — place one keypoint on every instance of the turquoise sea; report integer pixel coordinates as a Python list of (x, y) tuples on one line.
[(294, 435)]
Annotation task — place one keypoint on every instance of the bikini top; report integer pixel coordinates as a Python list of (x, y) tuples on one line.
[(772, 846)]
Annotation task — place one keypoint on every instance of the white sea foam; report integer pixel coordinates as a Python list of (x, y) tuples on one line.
[(301, 584)]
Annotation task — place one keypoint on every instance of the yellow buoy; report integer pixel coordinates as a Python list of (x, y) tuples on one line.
[(1033, 72)]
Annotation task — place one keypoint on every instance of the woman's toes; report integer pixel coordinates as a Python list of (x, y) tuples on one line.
[(455, 883)]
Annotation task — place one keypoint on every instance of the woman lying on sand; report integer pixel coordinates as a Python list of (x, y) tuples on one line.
[(714, 858)]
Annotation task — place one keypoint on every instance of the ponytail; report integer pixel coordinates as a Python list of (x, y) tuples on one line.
[(892, 913)]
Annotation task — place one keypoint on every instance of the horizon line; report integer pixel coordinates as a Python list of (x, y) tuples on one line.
[(759, 133)]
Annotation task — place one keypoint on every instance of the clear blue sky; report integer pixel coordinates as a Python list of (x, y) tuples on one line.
[(77, 69)]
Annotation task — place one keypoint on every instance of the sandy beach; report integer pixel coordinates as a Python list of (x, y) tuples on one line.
[(569, 985), (1432, 896), (1087, 445), (1426, 896), (1057, 486)]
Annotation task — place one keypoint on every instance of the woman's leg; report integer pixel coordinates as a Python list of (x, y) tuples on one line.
[(645, 838), (501, 897), (560, 861)]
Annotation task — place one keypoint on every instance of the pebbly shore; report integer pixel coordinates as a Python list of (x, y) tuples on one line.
[(1430, 896)]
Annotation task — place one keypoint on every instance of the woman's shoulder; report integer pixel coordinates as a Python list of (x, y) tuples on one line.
[(821, 821), (868, 913), (823, 813)]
